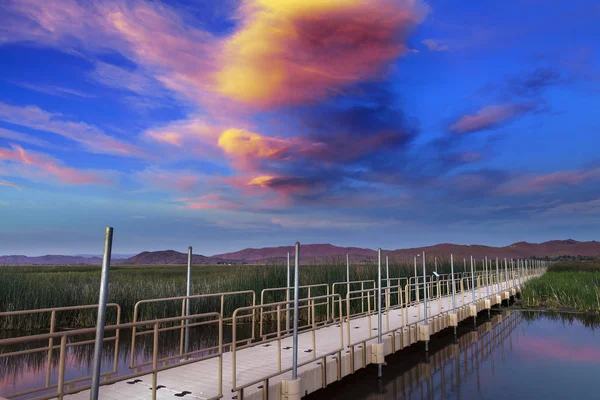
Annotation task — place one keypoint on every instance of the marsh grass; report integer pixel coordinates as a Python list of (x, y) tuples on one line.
[(23, 288), (566, 285)]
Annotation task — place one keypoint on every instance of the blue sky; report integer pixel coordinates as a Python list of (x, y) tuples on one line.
[(251, 123)]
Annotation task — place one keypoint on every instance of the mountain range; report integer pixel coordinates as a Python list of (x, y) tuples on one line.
[(323, 252)]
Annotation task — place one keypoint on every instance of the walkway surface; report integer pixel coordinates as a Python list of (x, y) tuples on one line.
[(200, 380)]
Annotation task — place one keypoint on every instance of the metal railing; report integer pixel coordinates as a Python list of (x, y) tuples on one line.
[(64, 336), (182, 326), (288, 294), (310, 303), (338, 287), (398, 294), (49, 349)]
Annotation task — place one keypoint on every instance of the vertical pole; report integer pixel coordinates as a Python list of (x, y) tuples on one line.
[(425, 288), (379, 337), (287, 296), (506, 273), (387, 290), (188, 292), (487, 282), (473, 289), (101, 314), (497, 276), (295, 346), (472, 281), (425, 299), (452, 277), (416, 284), (348, 270)]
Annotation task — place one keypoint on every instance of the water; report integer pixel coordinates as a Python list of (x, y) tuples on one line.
[(517, 355), (525, 356)]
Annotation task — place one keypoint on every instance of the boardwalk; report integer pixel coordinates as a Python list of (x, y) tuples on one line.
[(335, 340), (200, 380)]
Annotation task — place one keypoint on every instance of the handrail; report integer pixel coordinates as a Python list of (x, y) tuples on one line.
[(308, 288), (182, 353), (348, 285), (64, 335), (51, 347), (311, 302)]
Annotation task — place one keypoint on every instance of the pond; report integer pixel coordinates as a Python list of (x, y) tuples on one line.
[(518, 355)]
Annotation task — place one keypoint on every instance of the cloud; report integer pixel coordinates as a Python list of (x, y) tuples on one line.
[(9, 184), (289, 52), (159, 179), (435, 45), (544, 182), (38, 166), (52, 90), (282, 52), (532, 84), (90, 137), (23, 138), (490, 117), (211, 201)]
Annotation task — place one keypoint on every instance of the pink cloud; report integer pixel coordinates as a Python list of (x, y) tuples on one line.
[(210, 202), (9, 184), (38, 166), (182, 181), (490, 117), (281, 53), (543, 182), (92, 138)]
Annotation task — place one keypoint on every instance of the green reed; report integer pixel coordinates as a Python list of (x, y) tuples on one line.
[(567, 285)]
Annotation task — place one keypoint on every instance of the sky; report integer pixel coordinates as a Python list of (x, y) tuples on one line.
[(253, 123)]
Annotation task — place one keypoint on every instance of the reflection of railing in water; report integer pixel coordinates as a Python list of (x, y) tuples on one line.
[(457, 361), (70, 385), (51, 346)]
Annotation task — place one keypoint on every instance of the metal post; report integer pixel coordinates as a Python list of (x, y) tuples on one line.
[(497, 276), (101, 314), (188, 293), (287, 296), (425, 288), (348, 269), (473, 290), (472, 281), (416, 283), (296, 284), (379, 337), (487, 280), (506, 273), (452, 275)]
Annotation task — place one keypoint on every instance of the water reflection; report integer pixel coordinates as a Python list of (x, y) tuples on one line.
[(27, 371), (518, 355)]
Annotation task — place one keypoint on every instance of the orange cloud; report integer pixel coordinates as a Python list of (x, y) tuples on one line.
[(290, 52), (245, 145), (210, 202), (282, 51), (39, 166)]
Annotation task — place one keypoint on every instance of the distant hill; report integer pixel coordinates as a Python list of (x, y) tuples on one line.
[(171, 257), (326, 252), (552, 248)]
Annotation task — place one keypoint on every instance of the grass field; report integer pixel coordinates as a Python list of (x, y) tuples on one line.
[(566, 285), (23, 288)]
